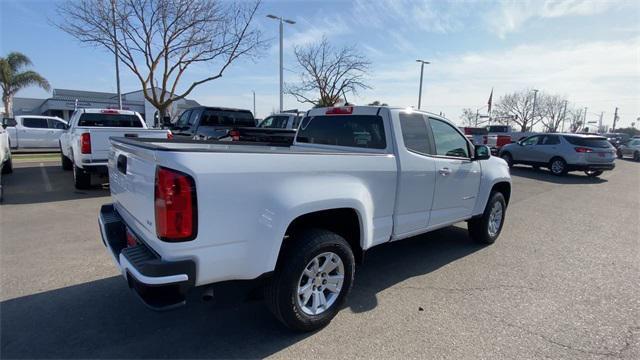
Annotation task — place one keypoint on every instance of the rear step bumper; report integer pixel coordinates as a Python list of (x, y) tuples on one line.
[(161, 285)]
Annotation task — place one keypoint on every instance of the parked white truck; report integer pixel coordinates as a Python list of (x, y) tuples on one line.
[(34, 131), (191, 214), (84, 143)]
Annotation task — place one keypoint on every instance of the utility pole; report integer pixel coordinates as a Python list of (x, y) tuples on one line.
[(600, 122), (282, 21), (615, 120), (477, 113), (254, 103), (422, 62), (564, 114), (533, 111), (584, 119), (115, 50)]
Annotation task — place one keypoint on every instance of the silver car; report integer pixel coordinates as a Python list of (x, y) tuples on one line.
[(562, 153), (630, 148)]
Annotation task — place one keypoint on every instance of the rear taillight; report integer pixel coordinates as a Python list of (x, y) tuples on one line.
[(235, 135), (131, 239), (85, 143), (110, 111), (583, 150), (175, 205), (169, 135)]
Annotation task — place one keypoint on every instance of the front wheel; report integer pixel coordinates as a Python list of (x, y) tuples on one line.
[(593, 173), (312, 282), (487, 228), (636, 156), (619, 154), (508, 158)]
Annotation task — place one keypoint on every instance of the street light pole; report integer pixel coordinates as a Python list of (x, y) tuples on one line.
[(281, 27), (115, 51), (422, 62), (254, 102), (533, 111)]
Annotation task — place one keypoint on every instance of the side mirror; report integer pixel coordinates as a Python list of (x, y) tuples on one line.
[(4, 126), (481, 152)]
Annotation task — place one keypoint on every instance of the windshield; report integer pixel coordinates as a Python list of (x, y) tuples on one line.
[(594, 142), (109, 120), (227, 118)]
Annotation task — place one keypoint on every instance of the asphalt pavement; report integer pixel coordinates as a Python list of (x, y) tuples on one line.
[(561, 282)]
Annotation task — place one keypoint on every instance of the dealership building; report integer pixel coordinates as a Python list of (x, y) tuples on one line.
[(64, 102)]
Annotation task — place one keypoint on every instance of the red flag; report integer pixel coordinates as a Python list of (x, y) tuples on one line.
[(489, 102)]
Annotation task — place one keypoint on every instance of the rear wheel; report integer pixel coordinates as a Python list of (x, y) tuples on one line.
[(81, 178), (636, 156), (593, 173), (487, 228), (619, 153), (312, 282), (7, 168), (66, 162), (508, 158), (558, 166)]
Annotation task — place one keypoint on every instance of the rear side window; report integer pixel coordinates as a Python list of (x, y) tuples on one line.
[(109, 120), (55, 124), (361, 131), (227, 118), (550, 140), (36, 123), (595, 142), (415, 133), (275, 122), (448, 141)]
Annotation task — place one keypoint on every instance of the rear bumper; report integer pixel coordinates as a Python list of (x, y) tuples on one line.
[(96, 169), (161, 285), (590, 167)]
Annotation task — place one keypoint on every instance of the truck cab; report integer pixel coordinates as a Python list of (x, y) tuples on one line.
[(210, 123)]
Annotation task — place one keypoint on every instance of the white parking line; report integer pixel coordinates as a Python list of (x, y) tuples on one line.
[(47, 183)]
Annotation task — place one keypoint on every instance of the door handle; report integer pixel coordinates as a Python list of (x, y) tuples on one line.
[(444, 171)]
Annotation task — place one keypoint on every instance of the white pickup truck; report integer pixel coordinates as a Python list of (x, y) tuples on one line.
[(84, 143), (191, 214)]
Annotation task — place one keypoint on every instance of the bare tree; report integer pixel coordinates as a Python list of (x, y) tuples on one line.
[(468, 117), (158, 40), (378, 103), (328, 73), (552, 111), (575, 119), (519, 106)]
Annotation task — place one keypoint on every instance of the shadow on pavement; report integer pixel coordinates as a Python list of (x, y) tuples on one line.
[(102, 319), (32, 183), (571, 178)]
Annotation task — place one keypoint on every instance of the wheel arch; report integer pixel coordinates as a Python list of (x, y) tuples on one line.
[(344, 221), (503, 187)]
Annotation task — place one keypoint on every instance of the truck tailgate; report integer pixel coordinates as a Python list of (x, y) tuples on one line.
[(132, 178), (100, 137)]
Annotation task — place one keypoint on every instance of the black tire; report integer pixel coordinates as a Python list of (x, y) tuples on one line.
[(81, 178), (7, 168), (508, 158), (66, 162), (619, 154), (281, 293), (636, 156), (479, 227), (561, 166), (593, 173)]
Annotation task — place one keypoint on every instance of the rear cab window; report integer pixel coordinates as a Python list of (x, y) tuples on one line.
[(357, 131), (109, 119), (35, 123), (227, 118), (593, 142)]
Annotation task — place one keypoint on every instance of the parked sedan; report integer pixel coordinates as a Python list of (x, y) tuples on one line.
[(630, 148), (562, 153)]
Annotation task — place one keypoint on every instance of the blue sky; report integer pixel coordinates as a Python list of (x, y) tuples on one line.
[(588, 51)]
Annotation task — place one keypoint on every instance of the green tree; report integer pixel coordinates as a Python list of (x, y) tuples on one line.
[(13, 79)]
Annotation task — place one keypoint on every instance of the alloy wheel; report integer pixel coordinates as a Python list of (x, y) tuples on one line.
[(320, 283)]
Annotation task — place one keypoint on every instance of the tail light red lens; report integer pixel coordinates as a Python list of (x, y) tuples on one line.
[(169, 135), (175, 206), (85, 143), (583, 150), (235, 135), (347, 110)]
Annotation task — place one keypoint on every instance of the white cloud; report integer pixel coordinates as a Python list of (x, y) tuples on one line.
[(511, 15), (430, 16), (600, 75)]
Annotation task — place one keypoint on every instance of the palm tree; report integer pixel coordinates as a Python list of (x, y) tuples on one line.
[(13, 80)]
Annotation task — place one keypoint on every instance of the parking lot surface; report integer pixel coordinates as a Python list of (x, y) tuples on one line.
[(562, 281)]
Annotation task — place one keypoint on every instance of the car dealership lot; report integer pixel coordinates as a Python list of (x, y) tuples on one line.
[(560, 282)]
